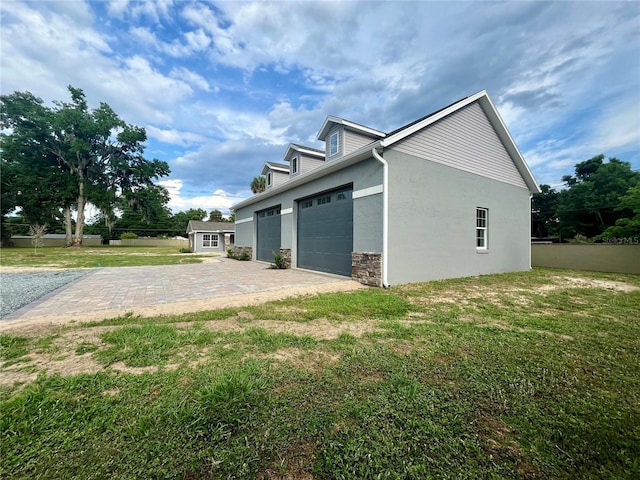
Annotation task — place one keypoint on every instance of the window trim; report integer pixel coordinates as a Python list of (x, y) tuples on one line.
[(268, 179), (294, 165), (210, 240), (482, 229), (337, 137)]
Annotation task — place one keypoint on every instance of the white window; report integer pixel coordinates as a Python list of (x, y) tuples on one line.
[(482, 224), (210, 240), (269, 179), (333, 144), (294, 165)]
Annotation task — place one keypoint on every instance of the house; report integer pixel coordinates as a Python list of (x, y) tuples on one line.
[(445, 196), (210, 236)]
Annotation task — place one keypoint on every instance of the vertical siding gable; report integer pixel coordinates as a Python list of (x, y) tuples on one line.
[(464, 140)]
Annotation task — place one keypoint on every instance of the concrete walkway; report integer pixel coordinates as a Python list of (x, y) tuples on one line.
[(173, 289)]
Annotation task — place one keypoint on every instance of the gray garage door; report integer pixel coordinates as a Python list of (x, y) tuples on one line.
[(325, 232), (268, 233)]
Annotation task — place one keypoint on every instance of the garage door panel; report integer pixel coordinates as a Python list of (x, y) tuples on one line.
[(268, 235), (325, 232)]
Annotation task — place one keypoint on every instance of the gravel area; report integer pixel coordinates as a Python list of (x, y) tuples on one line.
[(20, 289)]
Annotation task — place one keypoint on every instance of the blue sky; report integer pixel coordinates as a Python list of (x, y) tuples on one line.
[(222, 87)]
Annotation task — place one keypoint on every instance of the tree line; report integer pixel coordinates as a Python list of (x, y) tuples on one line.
[(600, 201)]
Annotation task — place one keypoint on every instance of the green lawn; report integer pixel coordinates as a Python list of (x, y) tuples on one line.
[(103, 256), (529, 375)]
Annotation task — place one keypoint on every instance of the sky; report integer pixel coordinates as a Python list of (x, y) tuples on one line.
[(222, 87)]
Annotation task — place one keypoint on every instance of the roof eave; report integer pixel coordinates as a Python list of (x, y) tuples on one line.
[(496, 121), (354, 157)]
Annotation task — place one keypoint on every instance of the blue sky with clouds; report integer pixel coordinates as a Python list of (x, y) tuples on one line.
[(222, 87)]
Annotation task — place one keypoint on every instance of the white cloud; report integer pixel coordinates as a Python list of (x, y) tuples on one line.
[(218, 199), (174, 137)]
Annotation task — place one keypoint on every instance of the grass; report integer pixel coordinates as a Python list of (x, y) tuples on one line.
[(103, 256), (528, 375)]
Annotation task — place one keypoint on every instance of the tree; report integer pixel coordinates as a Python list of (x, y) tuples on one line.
[(629, 226), (99, 158), (543, 212), (145, 212), (32, 180), (215, 216), (258, 184), (588, 205), (181, 220), (37, 232)]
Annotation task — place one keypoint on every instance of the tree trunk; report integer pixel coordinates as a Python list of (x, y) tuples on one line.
[(67, 227), (77, 240)]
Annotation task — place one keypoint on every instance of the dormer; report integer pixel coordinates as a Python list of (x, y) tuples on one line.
[(275, 174), (342, 137), (302, 159)]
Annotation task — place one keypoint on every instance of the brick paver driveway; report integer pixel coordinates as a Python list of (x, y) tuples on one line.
[(172, 289)]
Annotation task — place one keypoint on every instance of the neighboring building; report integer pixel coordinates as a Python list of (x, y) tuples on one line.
[(210, 236), (445, 196)]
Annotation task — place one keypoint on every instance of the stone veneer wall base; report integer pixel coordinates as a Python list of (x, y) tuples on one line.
[(286, 255), (366, 268)]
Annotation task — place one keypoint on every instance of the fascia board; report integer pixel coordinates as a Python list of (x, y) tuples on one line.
[(354, 157), (510, 145), (330, 120), (270, 166), (292, 149), (432, 119), (326, 126)]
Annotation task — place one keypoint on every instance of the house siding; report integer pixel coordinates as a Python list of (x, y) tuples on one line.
[(278, 178), (308, 163), (354, 140), (464, 140), (432, 220), (367, 224)]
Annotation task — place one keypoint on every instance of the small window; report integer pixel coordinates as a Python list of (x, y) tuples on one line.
[(307, 204), (325, 199), (210, 240), (343, 195), (271, 213), (333, 144), (482, 223), (269, 179), (294, 165)]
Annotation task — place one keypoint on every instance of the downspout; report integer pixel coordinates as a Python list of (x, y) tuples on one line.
[(530, 200), (385, 215)]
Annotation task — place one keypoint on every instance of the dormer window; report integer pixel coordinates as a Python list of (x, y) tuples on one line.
[(294, 165), (333, 144), (269, 179)]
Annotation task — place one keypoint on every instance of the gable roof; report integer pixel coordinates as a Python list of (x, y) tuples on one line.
[(494, 119), (216, 227), (294, 147), (394, 136), (276, 167), (330, 121)]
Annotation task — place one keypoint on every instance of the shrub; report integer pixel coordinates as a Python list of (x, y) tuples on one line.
[(278, 261), (243, 256), (128, 236), (230, 253)]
